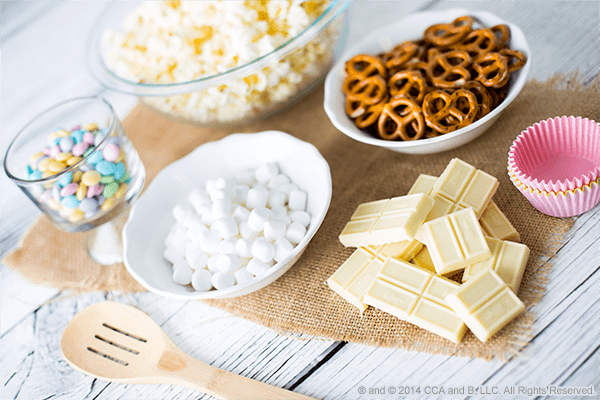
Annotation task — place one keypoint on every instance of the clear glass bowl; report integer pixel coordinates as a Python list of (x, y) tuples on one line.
[(208, 101), (60, 190)]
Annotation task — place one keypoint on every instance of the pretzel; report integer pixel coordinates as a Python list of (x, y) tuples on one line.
[(401, 118), (396, 58), (502, 33), (498, 95), (448, 70), (365, 93), (350, 82), (448, 115), (478, 42), (492, 70), (365, 66), (448, 34), (409, 84), (371, 115), (510, 54), (483, 96)]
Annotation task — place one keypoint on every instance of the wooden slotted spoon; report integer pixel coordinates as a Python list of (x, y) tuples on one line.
[(119, 343)]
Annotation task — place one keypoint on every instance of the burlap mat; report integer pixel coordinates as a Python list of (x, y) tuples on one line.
[(300, 303)]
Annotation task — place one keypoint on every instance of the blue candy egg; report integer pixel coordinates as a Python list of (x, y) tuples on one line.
[(56, 141), (77, 135), (29, 170), (95, 158), (70, 201), (65, 179), (119, 170), (35, 175), (105, 168)]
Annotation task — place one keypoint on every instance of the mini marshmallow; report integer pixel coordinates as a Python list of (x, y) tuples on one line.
[(257, 197), (201, 280), (222, 193), (246, 232), (295, 232), (228, 262), (224, 183), (221, 208), (208, 218), (228, 246), (173, 254), (240, 214), (245, 177), (196, 259), (266, 172), (274, 230), (300, 216), (288, 188), (181, 212), (204, 208), (241, 193), (282, 218), (169, 239), (243, 248), (242, 275), (209, 186), (276, 198), (279, 180), (257, 267), (193, 233), (193, 220), (197, 197), (283, 248), (182, 273), (222, 280), (209, 242), (258, 217), (297, 201), (180, 238), (263, 250), (226, 227), (279, 210)]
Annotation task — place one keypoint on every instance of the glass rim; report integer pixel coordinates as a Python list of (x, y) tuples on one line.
[(99, 70), (110, 128)]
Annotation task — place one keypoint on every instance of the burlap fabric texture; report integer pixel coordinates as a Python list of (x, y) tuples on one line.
[(300, 303)]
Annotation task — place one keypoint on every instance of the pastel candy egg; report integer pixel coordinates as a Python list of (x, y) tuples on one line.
[(35, 157), (77, 136), (91, 178), (29, 170), (35, 175), (47, 151), (101, 199), (54, 151), (56, 166), (110, 152), (119, 170), (76, 217), (73, 160), (63, 157), (105, 168), (76, 127), (121, 191), (56, 193), (94, 190), (114, 140), (88, 205), (81, 192), (79, 148), (69, 189), (95, 158), (88, 137), (65, 179), (107, 204), (92, 126), (55, 142), (66, 144), (107, 179), (70, 202), (77, 176), (86, 167), (90, 214), (110, 189)]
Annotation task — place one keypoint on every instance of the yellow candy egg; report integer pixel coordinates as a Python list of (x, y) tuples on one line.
[(108, 203), (81, 192), (91, 126), (56, 166), (73, 160), (78, 216), (91, 178), (36, 157), (44, 164), (69, 211), (52, 136), (121, 191), (77, 176), (53, 204), (47, 174), (63, 157), (121, 157), (62, 133)]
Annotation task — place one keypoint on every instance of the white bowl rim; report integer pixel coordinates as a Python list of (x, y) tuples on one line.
[(229, 292), (450, 14)]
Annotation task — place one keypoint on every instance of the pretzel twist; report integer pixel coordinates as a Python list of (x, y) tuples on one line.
[(409, 84), (371, 115), (492, 69), (478, 42), (483, 96), (395, 59), (448, 34), (502, 33), (401, 118), (367, 92), (443, 112), (365, 66), (448, 70), (510, 54)]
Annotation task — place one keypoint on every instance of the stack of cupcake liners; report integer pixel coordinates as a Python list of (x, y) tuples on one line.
[(555, 164)]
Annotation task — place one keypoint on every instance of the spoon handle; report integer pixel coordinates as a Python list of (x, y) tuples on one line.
[(181, 369)]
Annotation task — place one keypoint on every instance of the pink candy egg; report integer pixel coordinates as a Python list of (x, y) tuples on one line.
[(95, 190), (80, 148), (47, 151), (76, 127), (70, 189), (110, 152), (88, 137), (55, 151)]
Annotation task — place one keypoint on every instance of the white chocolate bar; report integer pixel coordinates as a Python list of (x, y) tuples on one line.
[(423, 184), (357, 273), (416, 296), (423, 260), (455, 241), (508, 260), (496, 225), (485, 304), (386, 221)]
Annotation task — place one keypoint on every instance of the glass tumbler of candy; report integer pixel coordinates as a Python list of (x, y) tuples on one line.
[(75, 162)]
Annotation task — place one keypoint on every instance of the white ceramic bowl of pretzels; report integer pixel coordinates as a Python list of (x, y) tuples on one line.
[(428, 83)]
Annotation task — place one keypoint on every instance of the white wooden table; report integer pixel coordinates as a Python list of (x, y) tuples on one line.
[(42, 63)]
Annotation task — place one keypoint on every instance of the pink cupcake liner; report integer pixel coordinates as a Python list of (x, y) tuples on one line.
[(563, 203), (557, 154)]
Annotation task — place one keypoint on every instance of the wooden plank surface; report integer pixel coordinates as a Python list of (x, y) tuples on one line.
[(37, 72)]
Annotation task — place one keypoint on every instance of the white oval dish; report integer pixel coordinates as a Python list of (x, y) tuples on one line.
[(412, 28), (150, 219)]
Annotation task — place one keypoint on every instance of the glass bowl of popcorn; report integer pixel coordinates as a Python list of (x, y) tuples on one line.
[(216, 63)]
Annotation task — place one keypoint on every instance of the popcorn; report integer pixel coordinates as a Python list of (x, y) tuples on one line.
[(170, 41)]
